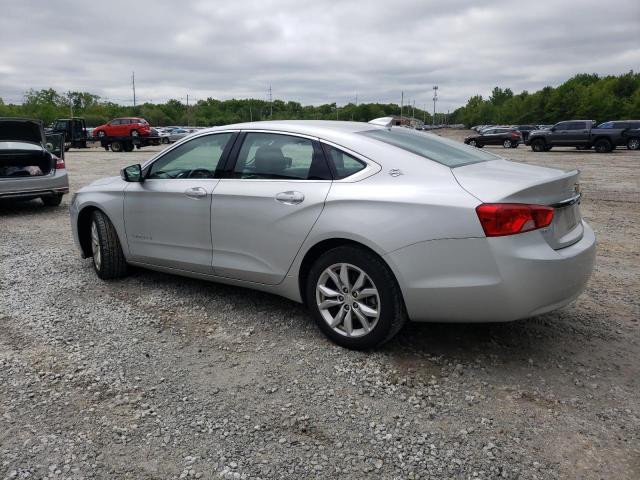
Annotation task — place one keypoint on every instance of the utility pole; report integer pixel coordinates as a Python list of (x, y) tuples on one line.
[(413, 110), (336, 110), (352, 112), (270, 103), (133, 84), (435, 99), (188, 112), (424, 119), (401, 103)]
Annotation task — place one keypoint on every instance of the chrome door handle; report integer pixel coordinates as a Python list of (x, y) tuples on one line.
[(290, 198), (195, 192)]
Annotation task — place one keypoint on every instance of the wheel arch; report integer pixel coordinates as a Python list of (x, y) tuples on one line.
[(319, 248), (83, 225)]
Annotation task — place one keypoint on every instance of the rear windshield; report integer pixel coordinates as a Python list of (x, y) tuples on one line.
[(444, 151)]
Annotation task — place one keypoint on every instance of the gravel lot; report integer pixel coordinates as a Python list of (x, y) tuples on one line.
[(156, 376)]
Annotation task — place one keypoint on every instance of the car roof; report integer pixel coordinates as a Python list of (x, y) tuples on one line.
[(327, 129)]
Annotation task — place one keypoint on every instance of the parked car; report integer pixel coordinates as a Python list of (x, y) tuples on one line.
[(178, 134), (581, 134), (629, 137), (31, 163), (507, 137), (123, 127), (163, 135), (525, 130), (294, 208)]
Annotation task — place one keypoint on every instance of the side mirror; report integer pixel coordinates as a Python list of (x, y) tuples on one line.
[(132, 173)]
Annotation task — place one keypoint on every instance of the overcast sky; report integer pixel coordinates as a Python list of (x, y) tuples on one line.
[(313, 52)]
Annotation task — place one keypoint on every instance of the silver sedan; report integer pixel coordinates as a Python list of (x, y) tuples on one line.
[(367, 224)]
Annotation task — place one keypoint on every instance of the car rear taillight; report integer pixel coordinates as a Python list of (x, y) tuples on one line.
[(59, 163), (515, 134), (499, 219)]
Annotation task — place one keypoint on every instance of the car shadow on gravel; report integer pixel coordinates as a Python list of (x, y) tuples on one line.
[(21, 208), (518, 341)]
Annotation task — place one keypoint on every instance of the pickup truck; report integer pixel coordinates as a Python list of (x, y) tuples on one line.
[(581, 134)]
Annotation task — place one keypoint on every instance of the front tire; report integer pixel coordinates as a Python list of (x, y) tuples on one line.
[(108, 259), (538, 146), (354, 298), (507, 144)]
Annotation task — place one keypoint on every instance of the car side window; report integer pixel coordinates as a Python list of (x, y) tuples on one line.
[(344, 164), (576, 126), (277, 156), (197, 158)]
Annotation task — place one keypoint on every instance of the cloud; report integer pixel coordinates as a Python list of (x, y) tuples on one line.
[(312, 52)]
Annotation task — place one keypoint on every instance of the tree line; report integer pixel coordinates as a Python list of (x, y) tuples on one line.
[(48, 104), (585, 96)]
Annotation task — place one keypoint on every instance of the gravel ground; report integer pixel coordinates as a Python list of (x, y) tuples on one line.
[(156, 376)]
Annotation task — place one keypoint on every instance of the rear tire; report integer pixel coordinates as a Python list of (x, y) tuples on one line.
[(538, 145), (52, 200), (128, 147), (116, 146), (507, 144), (349, 299), (602, 146), (108, 259)]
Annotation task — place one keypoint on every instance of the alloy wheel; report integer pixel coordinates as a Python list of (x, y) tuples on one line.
[(634, 144), (95, 246), (507, 144), (348, 300)]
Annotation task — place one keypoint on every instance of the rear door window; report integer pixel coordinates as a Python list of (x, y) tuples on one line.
[(277, 156)]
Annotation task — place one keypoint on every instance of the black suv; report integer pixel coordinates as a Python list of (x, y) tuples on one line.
[(630, 135)]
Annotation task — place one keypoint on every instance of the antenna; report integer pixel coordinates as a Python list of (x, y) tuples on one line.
[(133, 84)]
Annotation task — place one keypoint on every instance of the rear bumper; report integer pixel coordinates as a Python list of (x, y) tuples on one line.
[(32, 187), (491, 279)]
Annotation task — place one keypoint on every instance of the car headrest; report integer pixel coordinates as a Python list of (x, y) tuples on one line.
[(270, 160)]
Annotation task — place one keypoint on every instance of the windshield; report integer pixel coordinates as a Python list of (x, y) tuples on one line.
[(444, 151)]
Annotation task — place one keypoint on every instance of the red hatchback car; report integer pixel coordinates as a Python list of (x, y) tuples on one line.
[(123, 127)]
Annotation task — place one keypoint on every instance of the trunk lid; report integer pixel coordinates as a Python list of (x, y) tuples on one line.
[(21, 130), (502, 181)]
